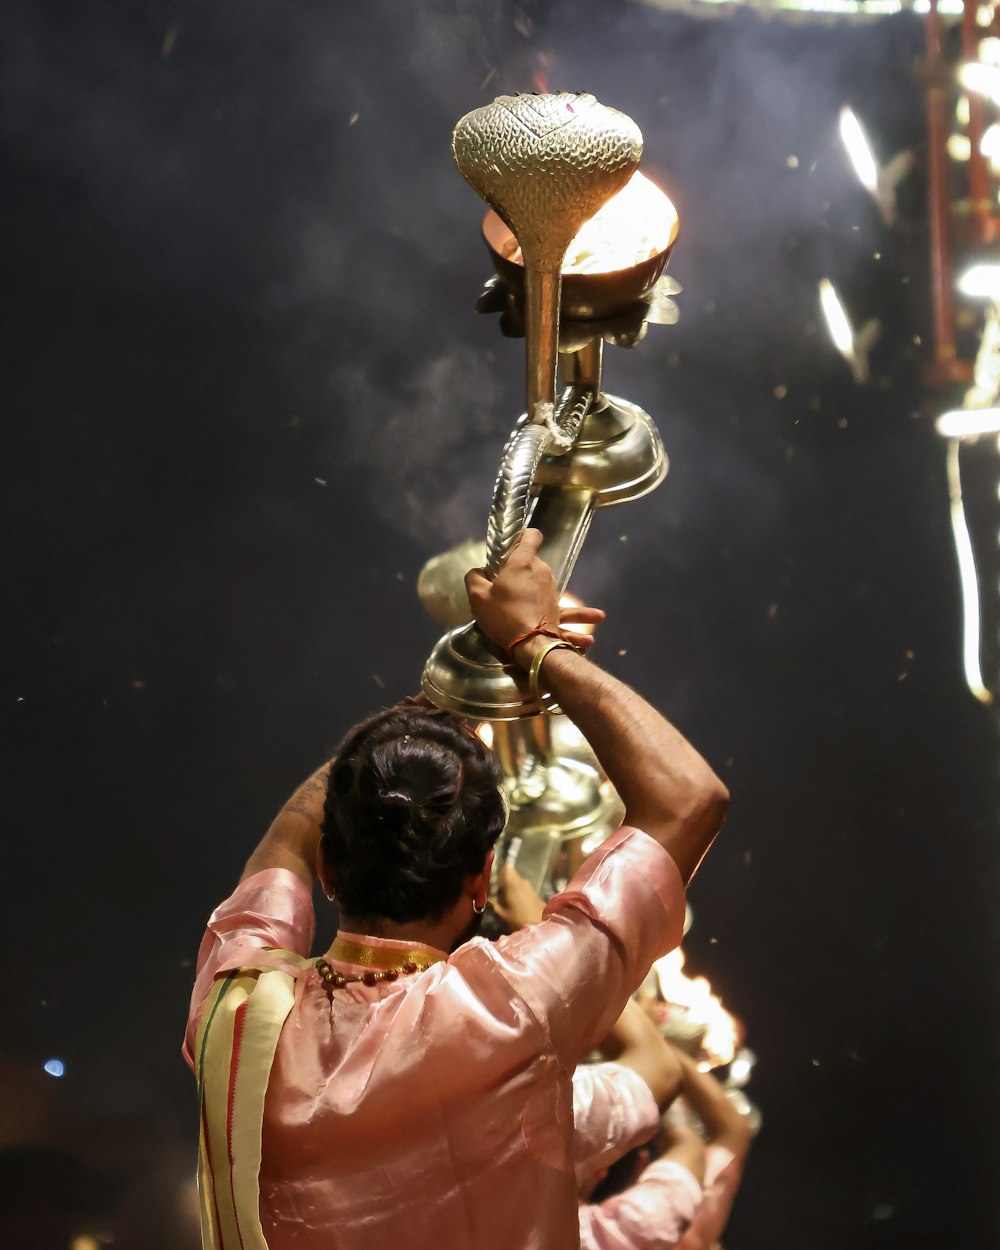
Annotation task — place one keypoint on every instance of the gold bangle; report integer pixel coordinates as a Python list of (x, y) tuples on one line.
[(539, 658)]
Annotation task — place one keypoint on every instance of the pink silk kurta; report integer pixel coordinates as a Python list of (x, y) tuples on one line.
[(613, 1110), (666, 1209), (723, 1171), (436, 1111)]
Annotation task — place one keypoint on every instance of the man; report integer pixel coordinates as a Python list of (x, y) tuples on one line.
[(411, 1087)]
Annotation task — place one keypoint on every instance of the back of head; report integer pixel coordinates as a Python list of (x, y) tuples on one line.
[(413, 808)]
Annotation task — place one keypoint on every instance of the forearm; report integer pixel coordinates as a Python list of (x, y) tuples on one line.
[(724, 1125), (636, 1043), (292, 841), (668, 790)]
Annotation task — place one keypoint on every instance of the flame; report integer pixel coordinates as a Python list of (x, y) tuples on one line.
[(540, 78), (693, 995), (633, 226), (484, 732)]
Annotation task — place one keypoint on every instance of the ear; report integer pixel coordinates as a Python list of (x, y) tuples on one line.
[(483, 880), (478, 886), (329, 886)]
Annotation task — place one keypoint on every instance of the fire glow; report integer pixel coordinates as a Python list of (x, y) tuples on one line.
[(635, 225), (694, 997)]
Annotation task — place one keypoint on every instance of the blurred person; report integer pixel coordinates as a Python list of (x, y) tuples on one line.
[(684, 1197), (682, 1200), (411, 1087)]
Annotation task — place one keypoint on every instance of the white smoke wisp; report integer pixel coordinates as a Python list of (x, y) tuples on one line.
[(430, 447)]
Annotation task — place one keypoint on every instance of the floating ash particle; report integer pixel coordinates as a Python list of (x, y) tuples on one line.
[(138, 685), (378, 681), (320, 481), (353, 119), (169, 42), (792, 162), (780, 391), (772, 610), (623, 651)]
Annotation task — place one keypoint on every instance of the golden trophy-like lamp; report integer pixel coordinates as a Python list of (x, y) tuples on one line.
[(559, 172)]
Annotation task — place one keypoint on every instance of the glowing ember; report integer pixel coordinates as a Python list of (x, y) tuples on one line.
[(635, 225), (694, 998)]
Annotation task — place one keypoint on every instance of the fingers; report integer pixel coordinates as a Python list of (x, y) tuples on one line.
[(476, 582), (527, 544), (581, 615)]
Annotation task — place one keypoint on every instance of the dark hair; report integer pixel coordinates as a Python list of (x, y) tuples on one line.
[(412, 808)]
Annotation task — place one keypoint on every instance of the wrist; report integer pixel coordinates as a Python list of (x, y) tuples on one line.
[(523, 652)]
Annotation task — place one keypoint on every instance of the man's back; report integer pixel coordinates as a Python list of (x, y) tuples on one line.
[(436, 1109)]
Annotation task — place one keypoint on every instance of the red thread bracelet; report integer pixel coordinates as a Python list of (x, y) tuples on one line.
[(542, 627)]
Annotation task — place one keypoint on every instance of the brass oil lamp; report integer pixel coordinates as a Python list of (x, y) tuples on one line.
[(579, 241)]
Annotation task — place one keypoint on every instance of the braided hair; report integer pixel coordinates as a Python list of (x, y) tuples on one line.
[(412, 809)]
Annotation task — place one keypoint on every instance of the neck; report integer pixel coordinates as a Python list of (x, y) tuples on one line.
[(438, 934)]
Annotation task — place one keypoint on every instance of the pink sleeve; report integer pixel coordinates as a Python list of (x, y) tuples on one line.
[(595, 943), (723, 1171), (613, 1110), (650, 1215), (272, 908)]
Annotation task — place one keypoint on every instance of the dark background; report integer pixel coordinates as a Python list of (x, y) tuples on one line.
[(246, 397)]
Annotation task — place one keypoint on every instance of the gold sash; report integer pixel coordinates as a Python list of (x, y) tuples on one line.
[(235, 1046)]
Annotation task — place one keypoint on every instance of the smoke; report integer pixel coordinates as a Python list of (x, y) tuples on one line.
[(428, 443)]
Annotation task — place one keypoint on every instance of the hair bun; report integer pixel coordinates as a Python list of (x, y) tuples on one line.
[(394, 808)]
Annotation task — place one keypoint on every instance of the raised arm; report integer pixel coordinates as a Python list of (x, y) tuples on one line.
[(724, 1125), (293, 838), (635, 1042), (668, 790)]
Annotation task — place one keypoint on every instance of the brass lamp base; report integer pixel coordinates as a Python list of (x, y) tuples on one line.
[(467, 675)]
